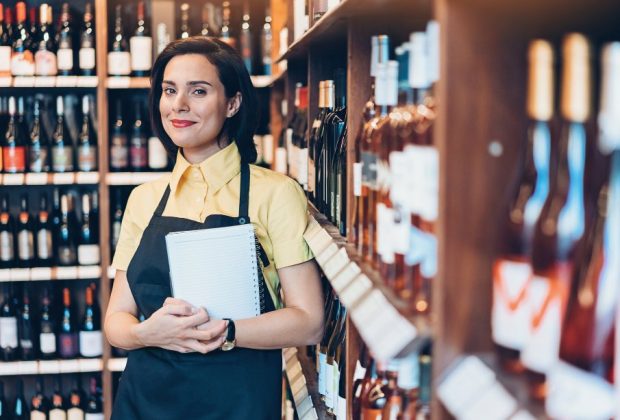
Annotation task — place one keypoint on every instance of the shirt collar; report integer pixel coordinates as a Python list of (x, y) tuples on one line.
[(217, 170)]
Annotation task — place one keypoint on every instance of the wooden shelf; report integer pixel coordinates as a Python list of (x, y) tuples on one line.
[(126, 82), (117, 364), (476, 384), (384, 323), (50, 367), (302, 378), (266, 81), (63, 82), (82, 272), (48, 178), (132, 178)]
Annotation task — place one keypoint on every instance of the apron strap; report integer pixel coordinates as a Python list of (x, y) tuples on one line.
[(244, 194), (162, 203)]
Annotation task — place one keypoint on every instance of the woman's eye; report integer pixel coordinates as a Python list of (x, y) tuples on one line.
[(168, 91), (200, 92)]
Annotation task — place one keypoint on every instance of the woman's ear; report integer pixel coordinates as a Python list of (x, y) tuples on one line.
[(234, 104)]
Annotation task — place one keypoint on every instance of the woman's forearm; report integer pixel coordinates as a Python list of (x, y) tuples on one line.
[(120, 329), (288, 327)]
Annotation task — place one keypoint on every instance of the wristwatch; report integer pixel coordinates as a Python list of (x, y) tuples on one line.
[(230, 341)]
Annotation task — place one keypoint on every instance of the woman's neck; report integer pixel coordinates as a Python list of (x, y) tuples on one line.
[(196, 155)]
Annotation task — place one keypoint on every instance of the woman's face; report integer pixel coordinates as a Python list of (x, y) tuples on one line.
[(194, 106)]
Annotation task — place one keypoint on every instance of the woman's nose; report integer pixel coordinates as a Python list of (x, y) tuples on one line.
[(180, 103)]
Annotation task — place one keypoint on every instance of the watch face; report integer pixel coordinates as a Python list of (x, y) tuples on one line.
[(228, 345)]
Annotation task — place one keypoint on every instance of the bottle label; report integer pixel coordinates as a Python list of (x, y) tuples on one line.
[(311, 174), (510, 319), (383, 174), (401, 172), (119, 63), (360, 371), (322, 369), (45, 63), (58, 414), (87, 58), (37, 415), (25, 245), (546, 299), (401, 231), (369, 170), (280, 163), (88, 254), (138, 156), (158, 157), (119, 153), (94, 416), (44, 244), (26, 344), (302, 165), (385, 220), (66, 255), (335, 386), (14, 158), (22, 64), (329, 386), (341, 413), (38, 159), (5, 61), (91, 343), (47, 343), (75, 413), (68, 345), (6, 246), (430, 184), (62, 159), (65, 59), (141, 48), (357, 178), (268, 148), (8, 332), (87, 158), (577, 394)]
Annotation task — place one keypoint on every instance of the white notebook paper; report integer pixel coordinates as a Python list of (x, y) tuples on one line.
[(216, 269)]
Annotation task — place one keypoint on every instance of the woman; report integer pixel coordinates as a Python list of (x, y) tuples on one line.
[(181, 365)]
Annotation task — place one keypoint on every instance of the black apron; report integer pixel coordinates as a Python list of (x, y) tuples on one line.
[(242, 384)]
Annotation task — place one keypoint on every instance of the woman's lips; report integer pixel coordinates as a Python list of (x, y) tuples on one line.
[(182, 123)]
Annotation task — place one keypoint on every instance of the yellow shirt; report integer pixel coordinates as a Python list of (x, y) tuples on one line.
[(278, 208)]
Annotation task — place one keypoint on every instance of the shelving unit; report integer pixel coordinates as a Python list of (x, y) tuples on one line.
[(50, 367), (50, 273), (69, 178)]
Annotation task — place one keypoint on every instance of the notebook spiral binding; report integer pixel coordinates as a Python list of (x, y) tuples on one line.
[(261, 278)]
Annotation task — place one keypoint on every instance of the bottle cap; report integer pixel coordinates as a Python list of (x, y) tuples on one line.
[(576, 95), (609, 114), (541, 80)]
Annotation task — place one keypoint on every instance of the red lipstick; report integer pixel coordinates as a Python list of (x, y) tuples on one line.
[(182, 123)]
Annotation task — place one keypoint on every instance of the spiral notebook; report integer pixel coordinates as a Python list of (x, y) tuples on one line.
[(216, 269)]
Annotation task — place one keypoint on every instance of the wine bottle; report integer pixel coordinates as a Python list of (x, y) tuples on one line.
[(39, 403), (334, 124), (68, 337), (7, 235), (138, 153), (117, 219), (88, 247), (185, 31), (373, 398), (423, 406), (22, 60), (5, 41), (299, 129), (94, 406), (409, 384), (225, 32), (87, 142), (26, 330), (43, 234), (75, 411), (38, 156), (57, 411), (45, 56), (119, 149), (394, 395), (340, 370), (119, 58), (141, 46), (20, 406), (245, 41), (33, 29), (8, 327), (66, 246), (330, 331), (561, 225), (25, 235), (86, 56), (65, 43), (91, 339), (62, 146), (331, 372), (47, 334), (206, 20), (14, 147), (266, 42), (312, 145), (55, 217), (4, 408)]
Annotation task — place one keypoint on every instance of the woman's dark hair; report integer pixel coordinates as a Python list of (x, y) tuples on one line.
[(234, 77)]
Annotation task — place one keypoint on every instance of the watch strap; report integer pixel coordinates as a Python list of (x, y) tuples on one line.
[(230, 334)]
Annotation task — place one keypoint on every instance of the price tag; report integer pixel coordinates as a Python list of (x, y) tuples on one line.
[(90, 365), (66, 81), (9, 368), (87, 178), (20, 274), (336, 263), (494, 403), (66, 273), (326, 254), (13, 179), (69, 366), (37, 179), (40, 274), (45, 81), (355, 291), (5, 81), (87, 81), (464, 384), (119, 82), (345, 277), (49, 366), (63, 178), (23, 81), (28, 367), (89, 272), (5, 274)]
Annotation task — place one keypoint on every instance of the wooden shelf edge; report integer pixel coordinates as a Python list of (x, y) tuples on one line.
[(266, 81), (385, 324), (126, 82), (117, 364), (51, 367), (78, 272)]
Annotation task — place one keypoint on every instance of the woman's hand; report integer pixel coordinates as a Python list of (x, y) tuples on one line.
[(173, 327)]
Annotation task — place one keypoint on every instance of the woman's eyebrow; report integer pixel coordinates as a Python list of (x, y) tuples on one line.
[(192, 83)]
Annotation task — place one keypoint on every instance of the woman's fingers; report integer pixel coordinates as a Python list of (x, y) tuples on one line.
[(180, 309), (175, 301), (208, 331), (194, 320)]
